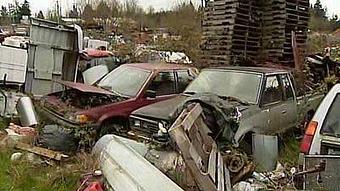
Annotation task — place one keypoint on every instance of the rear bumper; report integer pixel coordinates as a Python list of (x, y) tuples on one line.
[(50, 116)]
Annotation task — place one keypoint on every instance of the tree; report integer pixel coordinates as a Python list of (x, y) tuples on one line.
[(4, 11), (41, 15), (116, 8), (335, 22), (319, 11), (74, 12), (88, 13), (103, 10), (25, 9)]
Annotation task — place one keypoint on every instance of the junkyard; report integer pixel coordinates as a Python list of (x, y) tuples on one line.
[(206, 95)]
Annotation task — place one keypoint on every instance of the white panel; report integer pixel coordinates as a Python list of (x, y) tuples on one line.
[(13, 62)]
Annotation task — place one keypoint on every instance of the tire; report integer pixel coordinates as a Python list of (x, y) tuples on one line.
[(58, 139)]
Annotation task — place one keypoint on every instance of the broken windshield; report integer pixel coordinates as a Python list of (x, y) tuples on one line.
[(126, 81), (331, 125), (241, 85)]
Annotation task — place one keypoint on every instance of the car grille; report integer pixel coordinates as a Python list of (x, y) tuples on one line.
[(146, 127)]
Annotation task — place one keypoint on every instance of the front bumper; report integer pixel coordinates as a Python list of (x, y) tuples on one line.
[(50, 116)]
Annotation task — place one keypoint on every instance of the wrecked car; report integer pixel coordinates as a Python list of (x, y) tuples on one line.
[(105, 106), (265, 100)]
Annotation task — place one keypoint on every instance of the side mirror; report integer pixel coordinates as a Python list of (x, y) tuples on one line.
[(150, 94)]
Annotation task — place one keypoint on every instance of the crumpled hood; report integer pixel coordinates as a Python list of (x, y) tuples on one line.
[(168, 110), (164, 110), (85, 88)]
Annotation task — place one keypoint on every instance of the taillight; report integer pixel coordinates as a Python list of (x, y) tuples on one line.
[(308, 137)]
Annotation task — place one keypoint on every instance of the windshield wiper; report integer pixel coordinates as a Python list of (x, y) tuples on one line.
[(231, 98)]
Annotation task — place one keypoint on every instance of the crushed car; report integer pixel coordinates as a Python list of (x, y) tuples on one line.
[(105, 106), (265, 99)]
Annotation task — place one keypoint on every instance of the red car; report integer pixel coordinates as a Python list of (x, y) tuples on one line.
[(107, 105)]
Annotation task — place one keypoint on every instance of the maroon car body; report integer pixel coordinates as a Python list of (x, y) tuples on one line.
[(94, 106)]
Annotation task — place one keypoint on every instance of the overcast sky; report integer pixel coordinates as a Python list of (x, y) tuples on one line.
[(333, 6)]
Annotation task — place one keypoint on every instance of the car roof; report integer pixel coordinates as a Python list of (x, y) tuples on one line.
[(263, 70), (159, 66)]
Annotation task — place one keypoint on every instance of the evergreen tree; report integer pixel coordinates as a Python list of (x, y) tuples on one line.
[(25, 9), (88, 13), (4, 11), (41, 15), (103, 10)]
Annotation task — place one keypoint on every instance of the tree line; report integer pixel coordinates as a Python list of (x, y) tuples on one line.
[(16, 10), (319, 21)]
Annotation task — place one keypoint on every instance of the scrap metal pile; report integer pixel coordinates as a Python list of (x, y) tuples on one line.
[(238, 30)]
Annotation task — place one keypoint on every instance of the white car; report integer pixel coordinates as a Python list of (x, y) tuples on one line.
[(322, 136)]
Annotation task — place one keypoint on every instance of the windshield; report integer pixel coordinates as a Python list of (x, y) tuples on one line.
[(241, 85), (126, 81), (331, 125)]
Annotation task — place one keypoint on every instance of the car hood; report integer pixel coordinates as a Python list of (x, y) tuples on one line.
[(169, 109), (163, 110), (85, 88)]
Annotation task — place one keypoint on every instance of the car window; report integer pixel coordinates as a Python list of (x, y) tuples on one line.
[(163, 84), (125, 80), (288, 90), (273, 91), (331, 124), (184, 79)]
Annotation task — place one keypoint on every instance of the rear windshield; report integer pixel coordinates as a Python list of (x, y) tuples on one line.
[(331, 125)]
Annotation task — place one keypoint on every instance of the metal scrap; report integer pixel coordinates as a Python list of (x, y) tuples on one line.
[(210, 167), (41, 151)]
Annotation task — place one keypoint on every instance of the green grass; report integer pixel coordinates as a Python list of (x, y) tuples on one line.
[(3, 124), (24, 176), (289, 154)]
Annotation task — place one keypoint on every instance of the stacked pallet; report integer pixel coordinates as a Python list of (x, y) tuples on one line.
[(218, 27), (253, 30)]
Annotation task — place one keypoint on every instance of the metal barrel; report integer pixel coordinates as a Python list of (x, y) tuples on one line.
[(26, 112)]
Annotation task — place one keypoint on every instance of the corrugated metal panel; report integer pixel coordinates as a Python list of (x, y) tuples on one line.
[(52, 54), (13, 63), (265, 149), (327, 180)]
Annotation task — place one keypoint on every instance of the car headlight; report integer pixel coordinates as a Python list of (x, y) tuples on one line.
[(162, 128), (81, 119), (136, 123)]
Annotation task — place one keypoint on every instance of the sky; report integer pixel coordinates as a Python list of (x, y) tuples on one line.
[(333, 6)]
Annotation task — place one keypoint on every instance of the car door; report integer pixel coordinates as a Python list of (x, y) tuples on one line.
[(272, 103), (289, 112)]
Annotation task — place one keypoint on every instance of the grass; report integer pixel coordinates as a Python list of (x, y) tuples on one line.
[(25, 176), (289, 152)]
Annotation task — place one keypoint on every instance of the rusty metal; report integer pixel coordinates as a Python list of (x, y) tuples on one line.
[(244, 173), (236, 163)]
